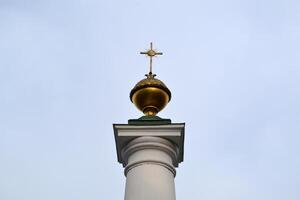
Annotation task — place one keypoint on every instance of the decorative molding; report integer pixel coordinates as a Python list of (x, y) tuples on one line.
[(151, 162), (172, 133), (147, 142)]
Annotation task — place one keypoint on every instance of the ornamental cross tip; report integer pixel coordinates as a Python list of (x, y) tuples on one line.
[(151, 53)]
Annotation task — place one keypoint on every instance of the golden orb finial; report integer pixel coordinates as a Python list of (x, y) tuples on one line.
[(150, 95)]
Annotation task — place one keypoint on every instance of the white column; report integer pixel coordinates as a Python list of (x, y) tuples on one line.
[(149, 169), (149, 155)]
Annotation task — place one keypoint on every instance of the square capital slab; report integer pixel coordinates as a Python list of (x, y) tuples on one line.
[(124, 133)]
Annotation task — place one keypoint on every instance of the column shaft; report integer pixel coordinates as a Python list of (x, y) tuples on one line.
[(149, 169)]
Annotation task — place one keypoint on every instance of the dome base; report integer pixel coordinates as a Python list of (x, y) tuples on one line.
[(149, 120)]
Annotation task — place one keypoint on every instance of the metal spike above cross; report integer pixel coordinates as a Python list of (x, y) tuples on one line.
[(151, 53)]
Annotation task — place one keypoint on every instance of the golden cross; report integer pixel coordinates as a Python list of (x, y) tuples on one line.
[(151, 53)]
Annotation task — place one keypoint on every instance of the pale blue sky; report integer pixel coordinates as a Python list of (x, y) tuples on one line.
[(67, 67)]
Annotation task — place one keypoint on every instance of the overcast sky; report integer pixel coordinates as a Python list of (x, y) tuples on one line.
[(67, 67)]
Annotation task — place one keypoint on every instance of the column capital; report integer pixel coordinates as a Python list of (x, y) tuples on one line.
[(131, 138)]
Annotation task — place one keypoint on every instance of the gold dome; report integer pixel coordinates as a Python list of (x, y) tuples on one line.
[(150, 95)]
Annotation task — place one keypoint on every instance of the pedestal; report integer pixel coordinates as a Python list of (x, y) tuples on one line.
[(149, 154)]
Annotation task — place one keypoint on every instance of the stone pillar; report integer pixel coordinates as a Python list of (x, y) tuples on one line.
[(149, 155)]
